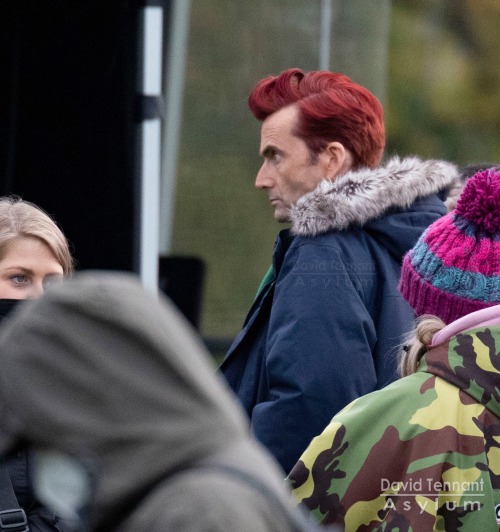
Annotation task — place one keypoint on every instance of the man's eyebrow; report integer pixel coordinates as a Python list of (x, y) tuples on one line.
[(269, 150)]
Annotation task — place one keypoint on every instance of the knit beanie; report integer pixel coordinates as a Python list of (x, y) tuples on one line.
[(454, 268)]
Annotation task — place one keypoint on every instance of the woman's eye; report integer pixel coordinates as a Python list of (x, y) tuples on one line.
[(19, 279)]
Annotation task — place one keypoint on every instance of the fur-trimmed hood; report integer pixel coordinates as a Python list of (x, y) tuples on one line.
[(356, 198)]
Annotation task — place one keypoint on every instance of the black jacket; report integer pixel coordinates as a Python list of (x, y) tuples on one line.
[(40, 519)]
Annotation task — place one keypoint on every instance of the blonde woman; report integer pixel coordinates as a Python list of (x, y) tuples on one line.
[(33, 253), (33, 250)]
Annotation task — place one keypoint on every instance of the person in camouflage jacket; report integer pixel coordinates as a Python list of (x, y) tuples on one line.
[(434, 464), (424, 452)]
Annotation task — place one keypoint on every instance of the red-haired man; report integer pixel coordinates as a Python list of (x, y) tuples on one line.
[(325, 326)]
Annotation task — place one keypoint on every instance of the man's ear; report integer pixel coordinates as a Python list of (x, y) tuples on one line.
[(338, 160)]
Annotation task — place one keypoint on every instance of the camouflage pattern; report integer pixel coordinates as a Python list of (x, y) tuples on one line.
[(422, 454)]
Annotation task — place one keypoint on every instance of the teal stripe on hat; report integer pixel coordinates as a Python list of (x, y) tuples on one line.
[(461, 283)]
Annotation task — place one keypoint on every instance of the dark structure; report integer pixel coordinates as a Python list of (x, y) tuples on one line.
[(69, 120)]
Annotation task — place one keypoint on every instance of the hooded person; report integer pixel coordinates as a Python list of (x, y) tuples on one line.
[(424, 452), (127, 421)]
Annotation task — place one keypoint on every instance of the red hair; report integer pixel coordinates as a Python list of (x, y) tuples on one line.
[(331, 108)]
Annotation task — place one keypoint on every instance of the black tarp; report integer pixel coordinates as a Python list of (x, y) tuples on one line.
[(68, 137)]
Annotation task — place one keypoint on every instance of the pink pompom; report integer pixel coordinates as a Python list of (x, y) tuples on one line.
[(479, 202)]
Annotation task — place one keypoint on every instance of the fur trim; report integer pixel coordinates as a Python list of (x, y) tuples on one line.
[(359, 196)]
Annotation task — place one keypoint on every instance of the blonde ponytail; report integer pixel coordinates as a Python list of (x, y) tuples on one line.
[(417, 342)]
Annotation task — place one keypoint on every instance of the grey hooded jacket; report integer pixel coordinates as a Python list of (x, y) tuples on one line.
[(115, 377)]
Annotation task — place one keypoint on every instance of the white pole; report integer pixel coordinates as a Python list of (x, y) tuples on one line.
[(152, 62)]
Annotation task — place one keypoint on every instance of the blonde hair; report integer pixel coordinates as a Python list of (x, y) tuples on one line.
[(19, 218), (417, 342)]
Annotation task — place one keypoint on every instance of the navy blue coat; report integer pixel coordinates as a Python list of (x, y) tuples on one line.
[(327, 329)]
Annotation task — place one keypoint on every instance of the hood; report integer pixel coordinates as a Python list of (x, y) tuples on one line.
[(362, 196), (467, 354), (101, 369)]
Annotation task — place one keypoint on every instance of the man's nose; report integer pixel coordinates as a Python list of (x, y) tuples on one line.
[(264, 179)]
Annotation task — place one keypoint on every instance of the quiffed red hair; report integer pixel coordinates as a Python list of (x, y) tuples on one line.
[(331, 108)]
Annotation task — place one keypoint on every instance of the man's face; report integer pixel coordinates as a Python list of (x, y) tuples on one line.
[(288, 171)]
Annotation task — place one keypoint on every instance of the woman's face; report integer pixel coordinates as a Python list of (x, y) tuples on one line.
[(26, 267)]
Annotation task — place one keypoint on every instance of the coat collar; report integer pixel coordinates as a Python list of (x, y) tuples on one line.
[(360, 196)]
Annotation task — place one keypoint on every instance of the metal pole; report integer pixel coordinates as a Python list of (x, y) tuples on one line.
[(174, 89), (152, 65), (326, 25)]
